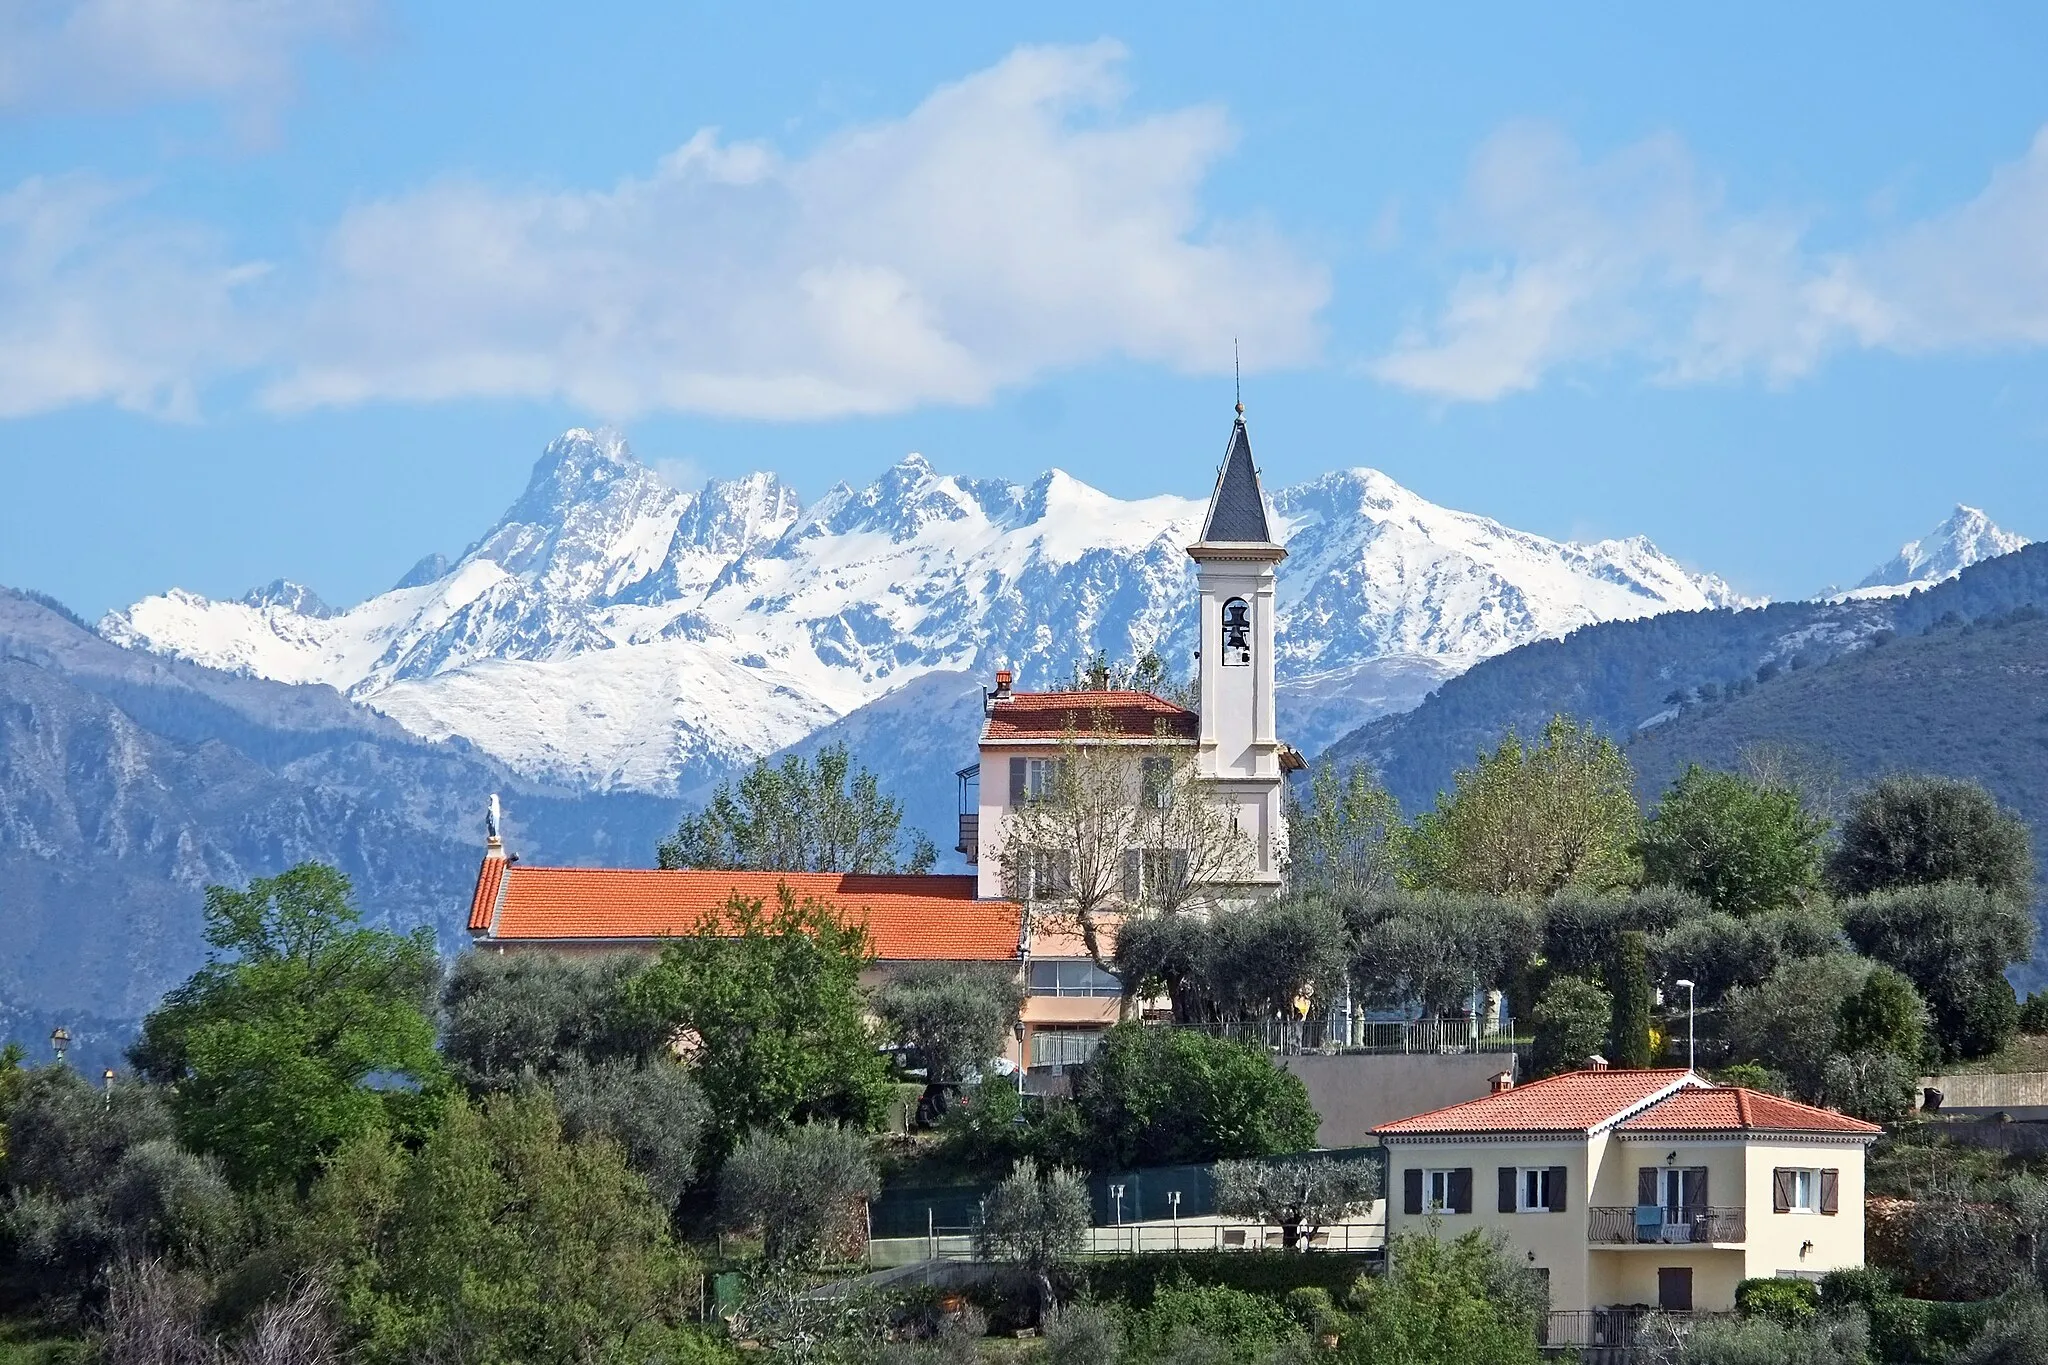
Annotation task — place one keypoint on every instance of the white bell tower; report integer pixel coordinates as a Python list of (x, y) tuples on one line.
[(1235, 561)]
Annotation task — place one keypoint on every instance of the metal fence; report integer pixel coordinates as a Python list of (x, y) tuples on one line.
[(1379, 1037), (1648, 1224), (1616, 1330), (943, 1243)]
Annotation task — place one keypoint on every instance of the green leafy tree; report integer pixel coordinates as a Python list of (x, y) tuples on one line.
[(1302, 1196), (497, 1239), (1572, 1017), (1529, 820), (770, 1012), (1253, 963), (1032, 1221), (652, 1109), (1719, 952), (1791, 1022), (273, 1045), (952, 1015), (1884, 1015), (805, 1188), (1916, 830), (1344, 839), (1953, 941), (1438, 949), (1872, 1084), (1739, 845), (1188, 1324), (1169, 1096), (1147, 673), (1628, 982), (822, 814), (509, 1018), (1461, 1302)]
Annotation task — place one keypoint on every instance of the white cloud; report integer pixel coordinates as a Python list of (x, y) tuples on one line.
[(1014, 222), (101, 53), (100, 303), (1637, 258)]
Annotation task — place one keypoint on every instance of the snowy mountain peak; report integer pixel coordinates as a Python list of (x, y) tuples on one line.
[(611, 630), (282, 592), (1965, 537)]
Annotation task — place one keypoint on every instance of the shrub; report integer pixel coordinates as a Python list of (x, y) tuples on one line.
[(806, 1190), (1790, 1302), (1171, 1096), (2034, 1013), (1181, 1320), (1572, 1020)]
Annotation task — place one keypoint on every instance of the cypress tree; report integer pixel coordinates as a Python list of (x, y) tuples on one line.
[(1628, 982)]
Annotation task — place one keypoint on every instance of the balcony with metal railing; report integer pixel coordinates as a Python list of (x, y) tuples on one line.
[(1656, 1225)]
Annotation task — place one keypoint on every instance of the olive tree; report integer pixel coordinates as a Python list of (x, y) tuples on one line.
[(1032, 1221), (1303, 1196), (806, 1189)]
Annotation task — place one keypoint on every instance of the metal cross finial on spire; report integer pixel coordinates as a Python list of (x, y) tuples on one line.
[(1237, 373)]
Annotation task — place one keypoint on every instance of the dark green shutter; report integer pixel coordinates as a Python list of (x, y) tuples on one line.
[(1411, 1191), (1508, 1175), (1017, 780), (1461, 1190), (1557, 1178), (1646, 1184)]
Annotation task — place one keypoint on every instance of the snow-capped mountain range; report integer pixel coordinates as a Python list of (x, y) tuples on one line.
[(612, 631), (1966, 537)]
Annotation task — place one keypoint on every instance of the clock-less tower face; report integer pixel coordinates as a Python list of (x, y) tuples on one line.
[(1234, 575)]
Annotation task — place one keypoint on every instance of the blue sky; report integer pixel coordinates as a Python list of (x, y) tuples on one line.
[(301, 287)]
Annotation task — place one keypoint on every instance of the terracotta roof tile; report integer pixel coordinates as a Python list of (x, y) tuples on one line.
[(1122, 715), (1577, 1101), (908, 917), (485, 901), (1729, 1108)]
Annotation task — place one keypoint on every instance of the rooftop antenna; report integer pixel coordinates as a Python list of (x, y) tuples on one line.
[(1237, 373)]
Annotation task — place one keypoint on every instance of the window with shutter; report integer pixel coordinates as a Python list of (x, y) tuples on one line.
[(1133, 883), (1461, 1190), (1411, 1190), (1830, 1191), (1017, 777), (1646, 1185), (1781, 1190), (1556, 1190), (1508, 1176)]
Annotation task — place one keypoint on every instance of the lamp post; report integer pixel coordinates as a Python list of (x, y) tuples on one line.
[(1689, 1038), (108, 1077), (1116, 1192), (60, 1038), (1173, 1198), (1018, 1029)]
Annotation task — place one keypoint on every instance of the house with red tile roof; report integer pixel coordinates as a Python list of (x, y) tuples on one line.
[(1638, 1189), (518, 907), (1223, 751)]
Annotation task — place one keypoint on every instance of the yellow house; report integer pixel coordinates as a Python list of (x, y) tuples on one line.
[(1635, 1189)]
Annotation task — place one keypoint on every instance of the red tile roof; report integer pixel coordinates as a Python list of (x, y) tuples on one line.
[(908, 917), (484, 903), (1577, 1101), (1729, 1108), (1120, 715)]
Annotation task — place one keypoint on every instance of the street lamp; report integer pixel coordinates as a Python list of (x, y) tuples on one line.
[(60, 1038), (1689, 1039)]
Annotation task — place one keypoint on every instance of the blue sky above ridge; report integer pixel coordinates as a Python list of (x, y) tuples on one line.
[(303, 287)]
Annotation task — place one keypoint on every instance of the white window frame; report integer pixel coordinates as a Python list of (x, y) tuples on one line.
[(1538, 1178), (1041, 775), (1436, 1190), (1809, 1178)]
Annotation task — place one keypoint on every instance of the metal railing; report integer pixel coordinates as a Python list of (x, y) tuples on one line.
[(1394, 1037), (970, 837), (1135, 1239), (1609, 1328), (1654, 1225)]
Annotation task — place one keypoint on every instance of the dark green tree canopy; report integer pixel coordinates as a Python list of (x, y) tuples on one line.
[(821, 814), (1438, 949), (273, 1045), (510, 1017), (1250, 963), (1953, 941), (1917, 830), (1742, 847), (1164, 1096), (806, 1188), (769, 1008), (1573, 1018)]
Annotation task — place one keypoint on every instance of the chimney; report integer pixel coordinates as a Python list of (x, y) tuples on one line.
[(1003, 679), (1596, 1063), (1501, 1082)]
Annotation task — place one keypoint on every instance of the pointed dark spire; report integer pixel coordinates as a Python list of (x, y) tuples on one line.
[(1237, 510)]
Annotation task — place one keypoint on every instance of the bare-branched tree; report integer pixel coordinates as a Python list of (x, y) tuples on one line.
[(1120, 827)]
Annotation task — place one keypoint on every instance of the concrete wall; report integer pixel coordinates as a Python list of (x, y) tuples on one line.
[(1999, 1090), (1355, 1094)]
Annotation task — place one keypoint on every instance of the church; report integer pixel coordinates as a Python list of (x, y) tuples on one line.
[(1205, 825)]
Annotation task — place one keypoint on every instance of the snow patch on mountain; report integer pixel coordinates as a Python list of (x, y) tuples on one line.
[(616, 632), (1965, 537)]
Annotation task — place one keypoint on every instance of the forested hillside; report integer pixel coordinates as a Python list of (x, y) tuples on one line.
[(129, 782), (1622, 675)]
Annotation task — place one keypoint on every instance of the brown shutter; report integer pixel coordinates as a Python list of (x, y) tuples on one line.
[(1461, 1190), (1557, 1179), (1016, 780), (1830, 1191), (1411, 1191), (1508, 1175), (1646, 1185), (1781, 1191), (1696, 1187)]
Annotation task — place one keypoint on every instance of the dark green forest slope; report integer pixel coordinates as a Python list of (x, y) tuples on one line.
[(1622, 674)]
